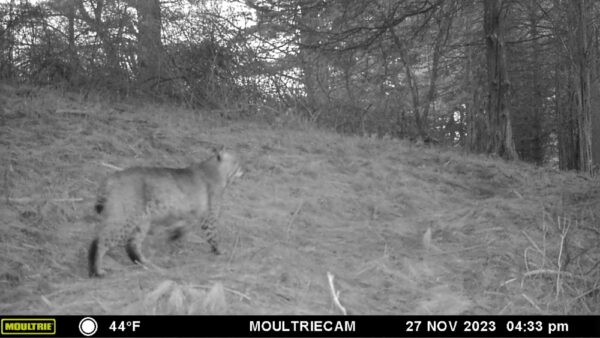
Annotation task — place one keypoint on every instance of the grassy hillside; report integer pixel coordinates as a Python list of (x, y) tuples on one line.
[(402, 228)]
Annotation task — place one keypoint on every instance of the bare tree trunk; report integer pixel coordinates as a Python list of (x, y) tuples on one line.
[(315, 79), (444, 30), (534, 140), (568, 135), (414, 89), (473, 128), (561, 113), (314, 66), (595, 92), (584, 104), (73, 60), (7, 45), (500, 138), (578, 16), (149, 42)]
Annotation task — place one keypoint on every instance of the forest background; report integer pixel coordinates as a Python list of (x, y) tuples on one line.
[(513, 78)]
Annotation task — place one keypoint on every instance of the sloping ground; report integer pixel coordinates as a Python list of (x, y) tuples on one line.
[(403, 229)]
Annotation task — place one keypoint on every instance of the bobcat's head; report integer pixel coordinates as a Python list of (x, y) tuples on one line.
[(225, 165)]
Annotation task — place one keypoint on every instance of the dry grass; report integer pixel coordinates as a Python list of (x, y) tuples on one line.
[(320, 223)]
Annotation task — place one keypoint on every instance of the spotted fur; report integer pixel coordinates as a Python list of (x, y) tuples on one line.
[(134, 199)]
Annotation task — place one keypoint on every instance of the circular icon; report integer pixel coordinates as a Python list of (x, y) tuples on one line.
[(88, 326)]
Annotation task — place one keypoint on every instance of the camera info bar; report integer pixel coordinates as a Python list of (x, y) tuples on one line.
[(300, 326)]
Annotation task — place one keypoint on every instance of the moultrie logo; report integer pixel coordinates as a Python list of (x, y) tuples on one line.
[(28, 326)]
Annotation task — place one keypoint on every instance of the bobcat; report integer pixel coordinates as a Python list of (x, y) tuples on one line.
[(133, 199)]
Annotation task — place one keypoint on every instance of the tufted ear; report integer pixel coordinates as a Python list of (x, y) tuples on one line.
[(218, 151)]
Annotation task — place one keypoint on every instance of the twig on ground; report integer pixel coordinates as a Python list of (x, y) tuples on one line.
[(289, 225), (111, 166), (335, 294), (552, 272), (235, 292), (235, 243), (35, 199), (532, 242), (532, 302), (518, 194), (564, 230), (477, 246), (72, 112), (103, 306), (6, 186), (46, 301), (586, 293), (151, 267)]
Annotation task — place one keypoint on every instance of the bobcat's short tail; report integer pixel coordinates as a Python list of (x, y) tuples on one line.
[(93, 258), (102, 193), (99, 206)]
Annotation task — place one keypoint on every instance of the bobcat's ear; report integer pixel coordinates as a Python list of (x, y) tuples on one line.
[(218, 151)]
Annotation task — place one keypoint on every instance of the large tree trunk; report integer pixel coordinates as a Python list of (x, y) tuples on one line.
[(149, 43), (500, 140), (575, 125), (595, 92), (584, 116), (568, 140), (533, 147), (579, 12), (475, 124)]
